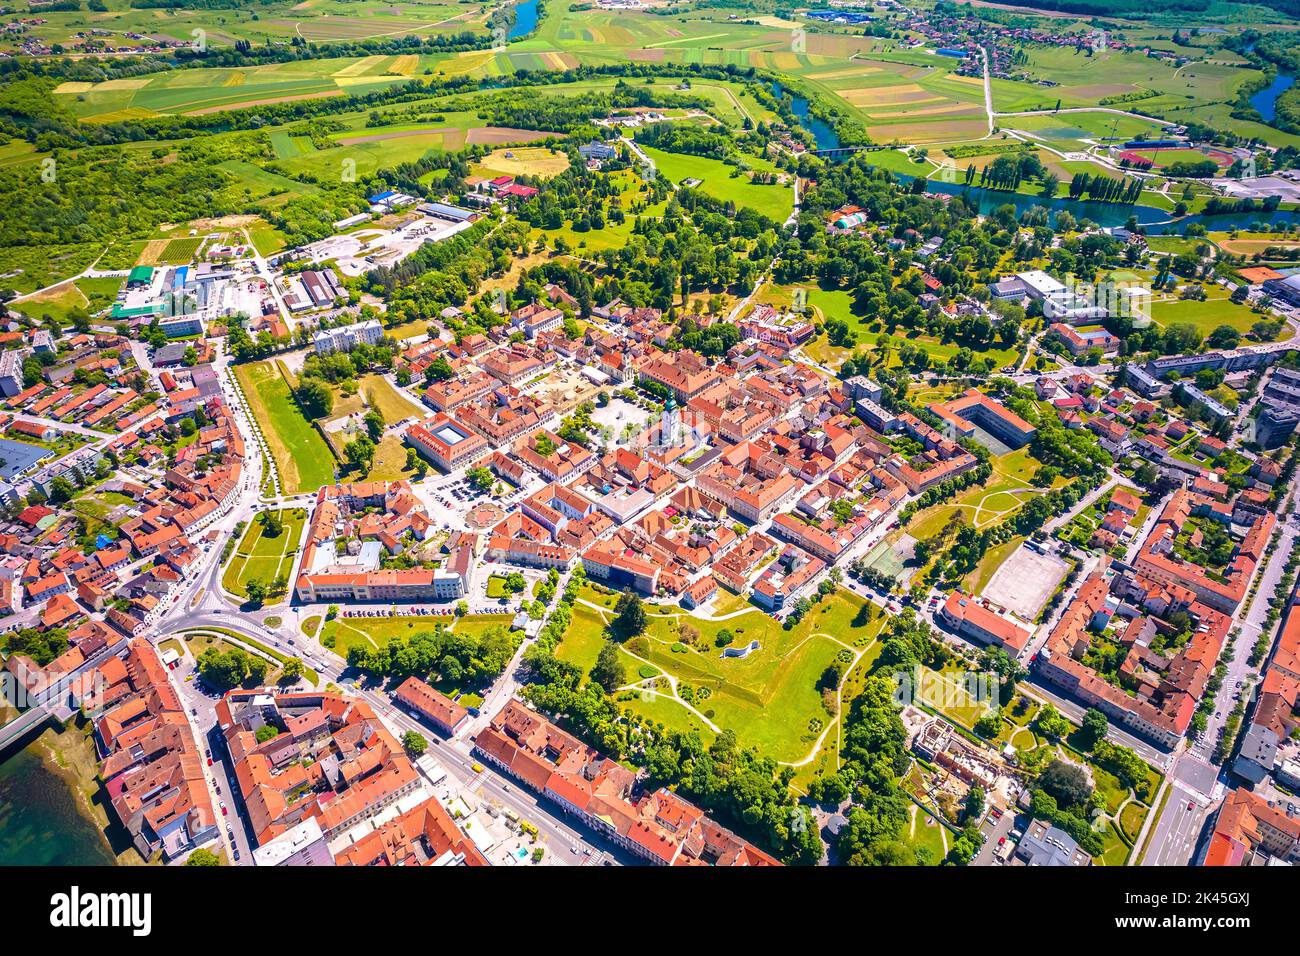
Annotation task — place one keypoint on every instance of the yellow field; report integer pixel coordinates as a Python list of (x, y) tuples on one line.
[(362, 66), (522, 161), (840, 74), (895, 111), (405, 65), (902, 93)]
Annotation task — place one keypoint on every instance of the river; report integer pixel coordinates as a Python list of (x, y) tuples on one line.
[(1265, 101), (525, 19), (1154, 221), (823, 134), (41, 823)]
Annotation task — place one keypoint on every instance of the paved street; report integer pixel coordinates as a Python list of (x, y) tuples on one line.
[(1197, 785), (1178, 829), (201, 603)]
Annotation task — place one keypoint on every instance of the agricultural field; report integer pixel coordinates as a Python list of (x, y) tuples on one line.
[(1075, 131), (125, 26), (900, 94), (919, 102)]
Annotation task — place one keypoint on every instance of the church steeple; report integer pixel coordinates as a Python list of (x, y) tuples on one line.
[(668, 426)]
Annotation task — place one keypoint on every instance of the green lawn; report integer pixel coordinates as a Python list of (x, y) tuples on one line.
[(924, 831), (867, 331), (718, 181), (770, 698), (1115, 851), (944, 692), (1207, 316), (982, 505), (301, 454), (342, 633), (585, 637), (264, 558)]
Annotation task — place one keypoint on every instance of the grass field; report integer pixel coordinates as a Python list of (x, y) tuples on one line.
[(343, 633), (301, 455), (725, 182), (383, 398), (867, 331), (923, 831), (1006, 490), (1072, 132), (1216, 310), (584, 638), (57, 302), (95, 507), (88, 294), (540, 161), (263, 558), (614, 235), (769, 698)]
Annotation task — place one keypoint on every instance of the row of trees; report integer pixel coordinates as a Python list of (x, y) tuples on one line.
[(461, 658)]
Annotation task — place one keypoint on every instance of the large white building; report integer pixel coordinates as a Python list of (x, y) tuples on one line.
[(302, 845), (347, 337), (1060, 303), (11, 373)]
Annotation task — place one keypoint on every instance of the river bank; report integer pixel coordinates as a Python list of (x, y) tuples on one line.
[(51, 805)]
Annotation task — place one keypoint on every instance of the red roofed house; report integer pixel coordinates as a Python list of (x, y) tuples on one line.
[(434, 706)]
